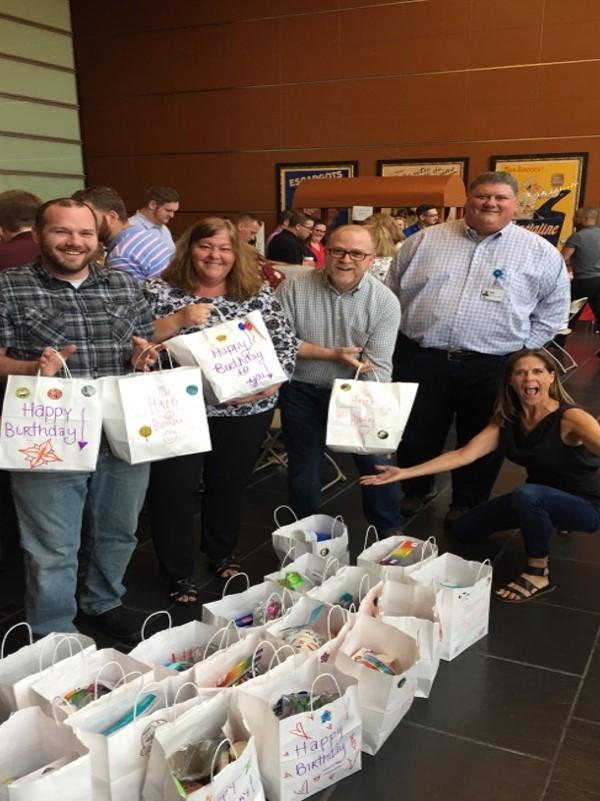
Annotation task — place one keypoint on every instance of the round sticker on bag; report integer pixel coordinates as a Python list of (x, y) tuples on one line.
[(324, 552), (22, 392), (345, 387), (192, 389), (145, 431), (55, 393), (382, 434), (88, 390)]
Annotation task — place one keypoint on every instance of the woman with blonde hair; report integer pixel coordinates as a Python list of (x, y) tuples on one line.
[(385, 235), (537, 425), (211, 269)]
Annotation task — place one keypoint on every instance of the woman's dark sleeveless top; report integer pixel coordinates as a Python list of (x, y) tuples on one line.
[(548, 460)]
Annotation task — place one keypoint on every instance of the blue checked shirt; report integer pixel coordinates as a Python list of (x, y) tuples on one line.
[(99, 317), (440, 276)]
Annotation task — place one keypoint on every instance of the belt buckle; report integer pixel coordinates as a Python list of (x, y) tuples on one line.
[(455, 355)]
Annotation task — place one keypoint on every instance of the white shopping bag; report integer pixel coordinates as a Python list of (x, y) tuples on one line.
[(465, 589), (305, 572), (321, 535), (384, 699), (368, 417), (303, 754), (348, 587), (19, 671), (178, 648), (311, 625), (118, 730), (40, 760), (209, 720), (155, 415), (237, 357), (410, 554), (251, 609), (107, 667), (241, 662), (414, 610), (50, 424)]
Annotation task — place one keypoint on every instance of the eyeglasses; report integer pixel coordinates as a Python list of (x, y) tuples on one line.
[(308, 227), (319, 230), (355, 255)]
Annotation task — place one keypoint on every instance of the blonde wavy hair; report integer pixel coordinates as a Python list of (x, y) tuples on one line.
[(244, 279)]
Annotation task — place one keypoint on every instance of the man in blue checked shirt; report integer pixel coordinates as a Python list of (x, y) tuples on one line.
[(472, 291)]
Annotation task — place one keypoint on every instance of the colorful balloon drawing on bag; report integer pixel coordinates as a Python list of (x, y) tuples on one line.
[(22, 392), (40, 454), (145, 431)]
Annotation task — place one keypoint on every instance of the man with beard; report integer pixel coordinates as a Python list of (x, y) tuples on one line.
[(100, 321), (138, 251)]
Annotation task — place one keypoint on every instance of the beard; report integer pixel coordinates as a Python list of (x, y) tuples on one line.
[(63, 265)]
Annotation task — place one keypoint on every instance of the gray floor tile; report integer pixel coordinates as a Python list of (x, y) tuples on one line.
[(576, 775), (588, 703)]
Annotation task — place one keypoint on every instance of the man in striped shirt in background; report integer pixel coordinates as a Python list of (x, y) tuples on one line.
[(136, 250)]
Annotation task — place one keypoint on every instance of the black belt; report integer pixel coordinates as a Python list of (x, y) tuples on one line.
[(459, 355)]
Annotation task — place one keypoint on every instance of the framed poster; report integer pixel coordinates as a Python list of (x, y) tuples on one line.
[(289, 175), (551, 187), (400, 167)]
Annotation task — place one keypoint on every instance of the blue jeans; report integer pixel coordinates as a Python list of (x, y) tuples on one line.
[(50, 511), (304, 423), (534, 508)]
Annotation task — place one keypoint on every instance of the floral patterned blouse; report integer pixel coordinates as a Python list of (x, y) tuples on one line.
[(165, 300)]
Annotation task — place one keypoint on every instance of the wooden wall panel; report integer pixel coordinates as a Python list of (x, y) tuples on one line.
[(208, 97)]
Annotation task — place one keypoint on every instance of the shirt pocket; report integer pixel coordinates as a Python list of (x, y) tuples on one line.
[(121, 319), (45, 326)]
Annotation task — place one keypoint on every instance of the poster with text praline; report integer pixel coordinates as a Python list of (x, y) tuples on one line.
[(551, 188), (290, 175)]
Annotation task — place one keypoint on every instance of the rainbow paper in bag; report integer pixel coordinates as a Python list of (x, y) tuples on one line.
[(242, 671), (400, 553)]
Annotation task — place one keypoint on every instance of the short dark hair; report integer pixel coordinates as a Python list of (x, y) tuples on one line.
[(103, 198), (424, 208), (161, 195), (63, 202), (285, 216), (245, 216), (494, 177), (18, 209), (299, 218)]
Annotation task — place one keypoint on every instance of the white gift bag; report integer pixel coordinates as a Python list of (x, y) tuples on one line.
[(321, 535), (41, 760), (241, 662), (368, 417), (303, 754), (383, 699), (465, 589), (348, 587), (106, 666), (50, 424), (411, 554), (237, 357), (412, 609), (311, 625), (305, 572), (240, 608), (210, 720), (155, 415), (170, 650), (19, 671)]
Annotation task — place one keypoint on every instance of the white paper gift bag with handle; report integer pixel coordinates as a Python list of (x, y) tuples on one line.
[(465, 590), (396, 556), (303, 754), (20, 670), (250, 609), (368, 417), (41, 760), (321, 535), (348, 587), (155, 415), (305, 572), (50, 424), (237, 357), (384, 699)]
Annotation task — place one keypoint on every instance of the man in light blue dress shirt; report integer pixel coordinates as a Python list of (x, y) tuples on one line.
[(472, 291), (161, 203)]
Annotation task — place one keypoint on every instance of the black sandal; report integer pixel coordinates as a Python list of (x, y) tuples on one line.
[(525, 589), (183, 592), (226, 568)]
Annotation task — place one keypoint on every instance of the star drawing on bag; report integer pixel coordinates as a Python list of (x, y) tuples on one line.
[(40, 454)]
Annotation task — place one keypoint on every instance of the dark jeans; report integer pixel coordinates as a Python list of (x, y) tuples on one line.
[(304, 423), (11, 553), (535, 509), (462, 392), (226, 470)]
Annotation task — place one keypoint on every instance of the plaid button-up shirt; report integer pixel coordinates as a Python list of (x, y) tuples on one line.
[(100, 317)]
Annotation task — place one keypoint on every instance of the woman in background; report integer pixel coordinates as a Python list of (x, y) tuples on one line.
[(315, 241)]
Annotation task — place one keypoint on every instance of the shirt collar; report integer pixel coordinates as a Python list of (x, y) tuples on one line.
[(96, 274), (325, 279), (475, 237)]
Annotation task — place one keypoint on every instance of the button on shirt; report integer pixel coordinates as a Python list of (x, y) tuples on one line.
[(162, 230), (367, 317), (139, 252), (99, 317), (440, 277)]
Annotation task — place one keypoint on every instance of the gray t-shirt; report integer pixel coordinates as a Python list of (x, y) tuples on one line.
[(586, 259)]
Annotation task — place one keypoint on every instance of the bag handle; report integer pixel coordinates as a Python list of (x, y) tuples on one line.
[(432, 542), (64, 366), (156, 614), (370, 530), (344, 614), (222, 631), (259, 647), (316, 679), (485, 563), (360, 587), (285, 646), (288, 553), (216, 754), (358, 373), (101, 670), (59, 701), (145, 689), (126, 676), (185, 684), (69, 638), (12, 628), (337, 519), (278, 509), (331, 560), (154, 345), (231, 578), (218, 311)]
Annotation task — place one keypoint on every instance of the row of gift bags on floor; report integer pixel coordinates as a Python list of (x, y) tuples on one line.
[(285, 673)]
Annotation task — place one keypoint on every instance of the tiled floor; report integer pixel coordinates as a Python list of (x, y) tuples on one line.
[(517, 716)]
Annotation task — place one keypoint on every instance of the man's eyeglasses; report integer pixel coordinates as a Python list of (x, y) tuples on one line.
[(308, 227), (355, 255)]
